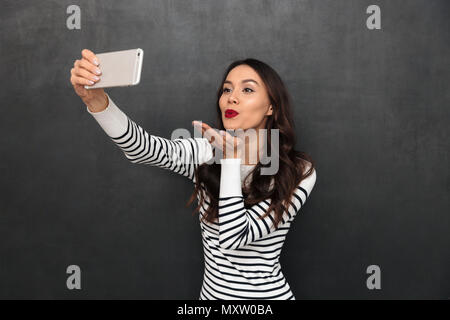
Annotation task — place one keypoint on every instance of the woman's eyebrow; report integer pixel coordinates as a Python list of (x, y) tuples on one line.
[(243, 81)]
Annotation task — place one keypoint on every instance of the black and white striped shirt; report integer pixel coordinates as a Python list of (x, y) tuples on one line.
[(241, 251)]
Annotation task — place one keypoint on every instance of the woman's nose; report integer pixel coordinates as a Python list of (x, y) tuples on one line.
[(233, 99)]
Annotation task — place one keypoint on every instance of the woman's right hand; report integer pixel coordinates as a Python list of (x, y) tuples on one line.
[(86, 72)]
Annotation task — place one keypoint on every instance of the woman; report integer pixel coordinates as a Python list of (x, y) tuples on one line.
[(244, 215)]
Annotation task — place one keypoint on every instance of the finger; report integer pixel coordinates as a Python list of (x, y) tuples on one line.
[(201, 126), (210, 132), (203, 132), (90, 56), (207, 127), (197, 127), (204, 125), (85, 64), (83, 73), (197, 124), (82, 81), (212, 135), (215, 138)]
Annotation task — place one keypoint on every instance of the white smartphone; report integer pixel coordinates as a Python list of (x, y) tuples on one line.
[(119, 68)]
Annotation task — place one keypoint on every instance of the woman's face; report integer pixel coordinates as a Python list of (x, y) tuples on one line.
[(249, 98)]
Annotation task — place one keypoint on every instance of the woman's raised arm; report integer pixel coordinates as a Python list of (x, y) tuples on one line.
[(181, 156)]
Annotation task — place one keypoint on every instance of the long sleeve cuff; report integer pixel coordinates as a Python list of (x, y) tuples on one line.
[(113, 120), (230, 178)]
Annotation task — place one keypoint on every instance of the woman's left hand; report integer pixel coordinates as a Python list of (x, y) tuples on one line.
[(231, 146)]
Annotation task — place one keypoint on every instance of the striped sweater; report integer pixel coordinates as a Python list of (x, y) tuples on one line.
[(241, 251)]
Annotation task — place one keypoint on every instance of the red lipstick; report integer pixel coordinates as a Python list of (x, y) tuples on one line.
[(230, 113)]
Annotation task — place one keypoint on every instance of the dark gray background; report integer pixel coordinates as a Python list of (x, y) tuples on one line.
[(371, 108)]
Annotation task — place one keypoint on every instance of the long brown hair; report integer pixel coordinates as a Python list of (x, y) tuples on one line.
[(291, 162)]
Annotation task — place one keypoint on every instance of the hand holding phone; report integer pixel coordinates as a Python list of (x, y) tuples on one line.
[(85, 71), (119, 68)]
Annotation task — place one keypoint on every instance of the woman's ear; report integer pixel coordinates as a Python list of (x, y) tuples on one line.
[(270, 111)]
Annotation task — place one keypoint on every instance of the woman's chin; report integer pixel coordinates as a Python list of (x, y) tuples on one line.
[(229, 125)]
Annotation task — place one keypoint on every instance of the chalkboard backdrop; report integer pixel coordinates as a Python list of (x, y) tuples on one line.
[(371, 108)]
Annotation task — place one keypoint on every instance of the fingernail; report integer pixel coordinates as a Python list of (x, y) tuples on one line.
[(90, 82), (97, 71), (95, 61), (95, 78)]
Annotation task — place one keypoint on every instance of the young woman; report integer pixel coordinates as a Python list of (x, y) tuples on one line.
[(244, 215)]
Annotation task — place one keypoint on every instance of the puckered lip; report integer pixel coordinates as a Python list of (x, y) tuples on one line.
[(231, 111)]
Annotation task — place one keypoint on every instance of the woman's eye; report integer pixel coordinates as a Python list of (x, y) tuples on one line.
[(225, 90)]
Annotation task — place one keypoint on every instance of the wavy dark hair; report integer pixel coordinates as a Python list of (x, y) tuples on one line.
[(292, 165)]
